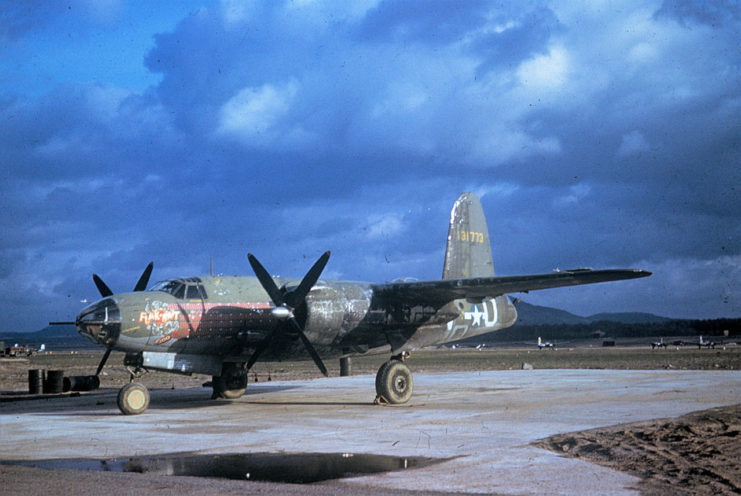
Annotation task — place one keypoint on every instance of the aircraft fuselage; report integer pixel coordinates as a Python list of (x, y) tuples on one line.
[(229, 316)]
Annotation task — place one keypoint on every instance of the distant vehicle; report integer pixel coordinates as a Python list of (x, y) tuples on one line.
[(221, 326), (18, 351), (658, 344), (545, 344)]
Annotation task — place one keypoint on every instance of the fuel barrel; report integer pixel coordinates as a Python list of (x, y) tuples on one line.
[(54, 382), (35, 381), (81, 383)]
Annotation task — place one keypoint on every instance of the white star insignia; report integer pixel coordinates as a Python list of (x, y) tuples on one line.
[(475, 316)]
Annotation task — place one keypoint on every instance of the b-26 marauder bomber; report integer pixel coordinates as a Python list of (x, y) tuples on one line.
[(221, 326)]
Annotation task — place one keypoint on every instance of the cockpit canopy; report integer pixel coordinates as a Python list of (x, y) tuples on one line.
[(189, 289)]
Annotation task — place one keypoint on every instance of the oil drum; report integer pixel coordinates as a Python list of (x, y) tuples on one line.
[(54, 382), (35, 381), (81, 383)]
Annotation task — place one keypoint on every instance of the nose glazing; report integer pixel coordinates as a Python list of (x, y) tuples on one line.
[(100, 322)]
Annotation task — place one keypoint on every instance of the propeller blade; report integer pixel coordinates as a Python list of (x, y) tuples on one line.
[(266, 281), (295, 297), (103, 361), (102, 287), (293, 300), (310, 348), (141, 285)]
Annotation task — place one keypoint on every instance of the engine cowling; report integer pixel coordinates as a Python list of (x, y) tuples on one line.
[(334, 310)]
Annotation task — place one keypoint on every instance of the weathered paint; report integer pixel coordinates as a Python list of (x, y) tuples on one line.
[(223, 318)]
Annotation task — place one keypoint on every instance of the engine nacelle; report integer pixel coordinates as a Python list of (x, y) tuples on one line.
[(333, 310)]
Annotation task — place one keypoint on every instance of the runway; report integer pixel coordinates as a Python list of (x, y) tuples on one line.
[(483, 422)]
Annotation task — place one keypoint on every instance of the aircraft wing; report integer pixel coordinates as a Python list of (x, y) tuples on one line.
[(438, 293)]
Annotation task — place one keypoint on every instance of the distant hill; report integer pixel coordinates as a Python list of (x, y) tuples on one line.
[(533, 315), (629, 318), (49, 332), (54, 337)]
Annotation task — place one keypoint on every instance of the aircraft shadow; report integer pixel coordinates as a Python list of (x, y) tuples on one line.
[(104, 403), (310, 403)]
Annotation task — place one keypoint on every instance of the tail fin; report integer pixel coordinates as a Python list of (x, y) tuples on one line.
[(469, 251)]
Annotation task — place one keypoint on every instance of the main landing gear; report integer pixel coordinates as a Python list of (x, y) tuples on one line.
[(232, 383), (394, 382)]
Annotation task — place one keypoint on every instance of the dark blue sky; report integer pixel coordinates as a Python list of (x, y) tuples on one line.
[(597, 134)]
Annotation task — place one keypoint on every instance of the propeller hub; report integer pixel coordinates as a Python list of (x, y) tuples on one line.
[(282, 313)]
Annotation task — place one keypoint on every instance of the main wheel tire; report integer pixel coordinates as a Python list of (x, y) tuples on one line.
[(232, 383), (133, 399), (394, 382), (379, 376), (222, 389)]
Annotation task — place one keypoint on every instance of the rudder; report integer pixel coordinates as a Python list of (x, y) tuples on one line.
[(468, 253)]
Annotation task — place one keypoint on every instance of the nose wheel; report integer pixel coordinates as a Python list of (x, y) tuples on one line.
[(394, 384), (133, 399)]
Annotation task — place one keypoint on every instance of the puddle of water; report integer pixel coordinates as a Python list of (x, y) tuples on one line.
[(296, 468)]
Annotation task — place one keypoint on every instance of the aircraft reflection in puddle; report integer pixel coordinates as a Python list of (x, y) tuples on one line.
[(295, 468)]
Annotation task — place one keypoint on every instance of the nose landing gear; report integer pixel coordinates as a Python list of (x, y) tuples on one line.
[(133, 399)]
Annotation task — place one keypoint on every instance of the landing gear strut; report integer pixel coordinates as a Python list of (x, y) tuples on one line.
[(394, 384)]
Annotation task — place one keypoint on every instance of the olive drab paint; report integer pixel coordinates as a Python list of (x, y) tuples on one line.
[(468, 252), (221, 326)]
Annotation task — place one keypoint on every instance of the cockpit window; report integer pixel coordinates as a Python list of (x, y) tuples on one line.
[(180, 290), (172, 287)]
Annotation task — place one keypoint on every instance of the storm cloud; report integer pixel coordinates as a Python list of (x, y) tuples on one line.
[(596, 135)]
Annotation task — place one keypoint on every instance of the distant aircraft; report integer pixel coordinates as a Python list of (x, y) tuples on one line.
[(700, 343), (706, 344), (658, 344), (545, 344), (221, 326)]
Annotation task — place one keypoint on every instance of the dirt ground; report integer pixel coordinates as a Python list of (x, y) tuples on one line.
[(695, 454), (14, 372)]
